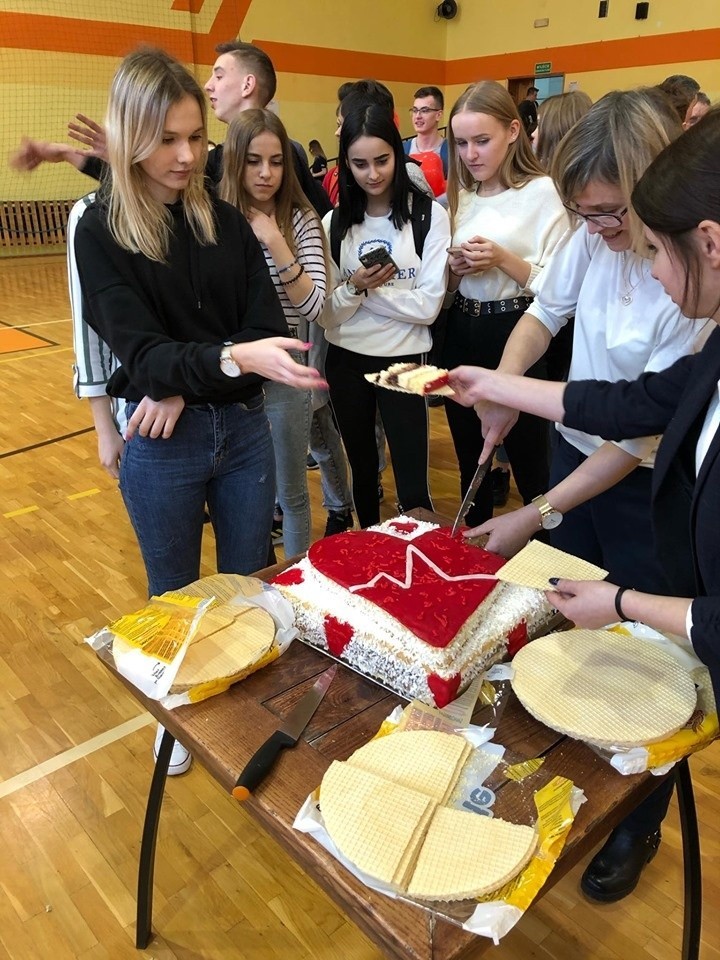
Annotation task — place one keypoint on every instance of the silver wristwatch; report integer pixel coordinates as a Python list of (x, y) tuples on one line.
[(229, 366), (354, 290), (549, 516)]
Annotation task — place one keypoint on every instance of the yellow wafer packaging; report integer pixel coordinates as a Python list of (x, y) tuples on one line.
[(478, 854), (188, 645)]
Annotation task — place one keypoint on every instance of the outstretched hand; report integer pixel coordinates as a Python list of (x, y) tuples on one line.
[(90, 134), (588, 603), (471, 385), (271, 358), (31, 153)]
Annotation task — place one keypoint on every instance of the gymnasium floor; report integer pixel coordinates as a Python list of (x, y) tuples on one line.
[(75, 749)]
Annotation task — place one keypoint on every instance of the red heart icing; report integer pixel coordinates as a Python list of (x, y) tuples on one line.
[(338, 634), (289, 578), (432, 608), (444, 691), (517, 638)]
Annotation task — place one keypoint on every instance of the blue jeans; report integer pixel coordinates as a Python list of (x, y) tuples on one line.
[(327, 451), (219, 456), (288, 411)]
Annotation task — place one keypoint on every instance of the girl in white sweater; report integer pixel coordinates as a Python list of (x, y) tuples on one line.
[(507, 218), (381, 315)]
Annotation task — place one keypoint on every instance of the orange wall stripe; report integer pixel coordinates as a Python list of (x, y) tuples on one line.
[(188, 6), (328, 62), (28, 31), (585, 57), (102, 38)]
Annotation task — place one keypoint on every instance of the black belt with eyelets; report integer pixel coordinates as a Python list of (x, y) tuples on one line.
[(481, 308)]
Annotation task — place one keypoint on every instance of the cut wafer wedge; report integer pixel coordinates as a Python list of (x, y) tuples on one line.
[(424, 760), (537, 561), (373, 822), (465, 855)]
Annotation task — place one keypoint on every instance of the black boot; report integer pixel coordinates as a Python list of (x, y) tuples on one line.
[(614, 871)]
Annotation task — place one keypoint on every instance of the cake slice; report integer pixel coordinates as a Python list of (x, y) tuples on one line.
[(422, 379)]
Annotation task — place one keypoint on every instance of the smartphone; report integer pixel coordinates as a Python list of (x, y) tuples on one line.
[(377, 255), (456, 251)]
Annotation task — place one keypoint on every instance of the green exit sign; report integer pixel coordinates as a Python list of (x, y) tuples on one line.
[(543, 68)]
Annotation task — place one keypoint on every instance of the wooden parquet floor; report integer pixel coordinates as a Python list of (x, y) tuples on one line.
[(75, 748)]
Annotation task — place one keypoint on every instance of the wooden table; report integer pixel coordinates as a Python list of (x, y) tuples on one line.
[(223, 732)]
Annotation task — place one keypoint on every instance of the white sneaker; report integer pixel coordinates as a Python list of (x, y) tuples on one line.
[(180, 758)]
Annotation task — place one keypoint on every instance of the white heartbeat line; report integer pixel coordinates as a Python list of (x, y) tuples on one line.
[(407, 582)]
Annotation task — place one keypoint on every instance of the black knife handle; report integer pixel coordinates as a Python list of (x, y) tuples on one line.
[(258, 767)]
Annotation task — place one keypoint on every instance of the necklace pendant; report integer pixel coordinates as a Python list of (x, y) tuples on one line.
[(626, 300)]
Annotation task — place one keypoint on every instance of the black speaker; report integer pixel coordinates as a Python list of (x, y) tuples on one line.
[(447, 10), (641, 11)]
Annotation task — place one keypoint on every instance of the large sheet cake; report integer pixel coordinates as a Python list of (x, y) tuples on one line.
[(409, 605)]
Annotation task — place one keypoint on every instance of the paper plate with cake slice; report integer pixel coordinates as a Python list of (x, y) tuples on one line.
[(610, 689), (421, 379)]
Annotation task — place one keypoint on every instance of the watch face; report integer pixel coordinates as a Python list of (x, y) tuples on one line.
[(229, 367), (552, 520)]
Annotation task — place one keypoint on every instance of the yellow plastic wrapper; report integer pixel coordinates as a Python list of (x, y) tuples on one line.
[(549, 806), (701, 729), (188, 645)]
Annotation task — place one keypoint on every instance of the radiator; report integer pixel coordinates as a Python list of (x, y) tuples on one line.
[(29, 224)]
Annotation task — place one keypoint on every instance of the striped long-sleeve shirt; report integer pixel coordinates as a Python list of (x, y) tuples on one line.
[(308, 234)]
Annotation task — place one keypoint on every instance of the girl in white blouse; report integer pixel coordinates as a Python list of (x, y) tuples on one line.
[(506, 219)]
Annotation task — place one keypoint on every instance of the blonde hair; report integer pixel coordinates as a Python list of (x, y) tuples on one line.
[(519, 164), (614, 143), (556, 116), (147, 83), (289, 197)]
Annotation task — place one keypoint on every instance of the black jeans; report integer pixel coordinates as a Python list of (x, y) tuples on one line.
[(404, 417), (480, 341), (613, 530)]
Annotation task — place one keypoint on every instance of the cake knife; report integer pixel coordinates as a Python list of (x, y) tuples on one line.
[(469, 498), (259, 765)]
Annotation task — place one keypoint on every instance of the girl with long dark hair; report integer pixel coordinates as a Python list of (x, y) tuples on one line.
[(381, 314)]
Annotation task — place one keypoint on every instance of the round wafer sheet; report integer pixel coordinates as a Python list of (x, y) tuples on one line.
[(603, 687)]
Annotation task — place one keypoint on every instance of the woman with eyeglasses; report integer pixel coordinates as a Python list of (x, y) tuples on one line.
[(598, 506)]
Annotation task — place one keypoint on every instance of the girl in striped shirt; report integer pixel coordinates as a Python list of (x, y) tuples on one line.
[(259, 179)]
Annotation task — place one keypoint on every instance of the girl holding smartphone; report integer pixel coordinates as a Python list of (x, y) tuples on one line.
[(176, 284), (259, 179), (379, 315)]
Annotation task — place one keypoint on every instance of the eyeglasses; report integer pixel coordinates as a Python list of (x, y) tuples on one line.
[(424, 111), (599, 219)]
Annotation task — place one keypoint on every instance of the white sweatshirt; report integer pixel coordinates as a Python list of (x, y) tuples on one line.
[(394, 319), (528, 221), (613, 340)]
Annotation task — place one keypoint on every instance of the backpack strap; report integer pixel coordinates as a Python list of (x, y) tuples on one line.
[(421, 218), (335, 236)]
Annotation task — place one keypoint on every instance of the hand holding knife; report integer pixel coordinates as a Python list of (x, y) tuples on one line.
[(287, 735), (469, 498)]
